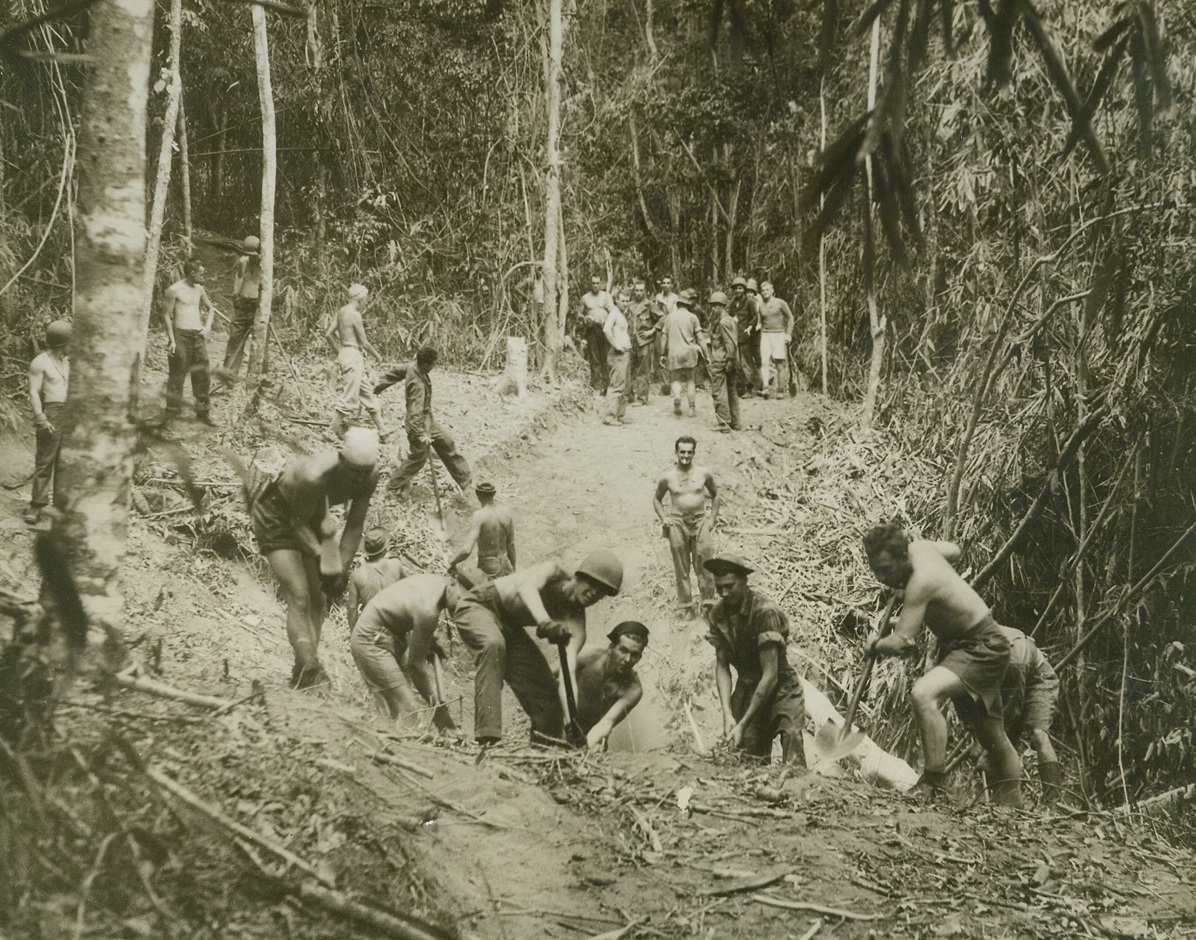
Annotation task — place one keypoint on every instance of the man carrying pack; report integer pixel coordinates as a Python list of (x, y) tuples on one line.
[(684, 345)]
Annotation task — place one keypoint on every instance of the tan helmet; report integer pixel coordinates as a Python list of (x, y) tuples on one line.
[(251, 244), (58, 333), (739, 282), (604, 569), (752, 285), (718, 297)]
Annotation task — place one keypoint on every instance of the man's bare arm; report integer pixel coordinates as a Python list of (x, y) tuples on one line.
[(948, 550), (332, 329), (904, 637), (616, 713), (770, 667), (354, 526), (168, 316), (528, 585), (205, 303), (362, 340), (662, 487), (511, 541), (307, 493), (36, 378), (351, 604), (722, 681)]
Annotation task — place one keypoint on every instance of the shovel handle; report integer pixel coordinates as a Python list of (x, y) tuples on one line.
[(572, 729), (869, 660)]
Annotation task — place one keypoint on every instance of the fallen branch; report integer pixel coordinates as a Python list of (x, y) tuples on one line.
[(1163, 801), (816, 908), (181, 793), (132, 679), (388, 923), (620, 933), (745, 884), (383, 758)]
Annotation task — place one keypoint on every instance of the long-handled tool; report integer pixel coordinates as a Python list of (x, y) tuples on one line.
[(573, 733), (440, 717), (834, 742), (438, 520)]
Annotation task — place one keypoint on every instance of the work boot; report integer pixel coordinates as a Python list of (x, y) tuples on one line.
[(1008, 793), (677, 407), (611, 420), (206, 418), (33, 516), (1051, 775), (307, 677)]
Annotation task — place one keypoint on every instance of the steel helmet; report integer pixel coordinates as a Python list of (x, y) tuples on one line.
[(752, 285), (718, 297), (604, 569), (739, 282), (251, 244), (58, 333)]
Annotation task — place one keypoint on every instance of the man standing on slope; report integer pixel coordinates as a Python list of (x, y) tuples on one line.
[(684, 344), (686, 523), (973, 654), (618, 360), (776, 332), (187, 342), (376, 573), (49, 379), (247, 282), (423, 432), (595, 305), (492, 531), (493, 619), (724, 363), (347, 333), (297, 535)]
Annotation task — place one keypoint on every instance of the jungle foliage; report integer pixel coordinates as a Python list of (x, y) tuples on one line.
[(1031, 195)]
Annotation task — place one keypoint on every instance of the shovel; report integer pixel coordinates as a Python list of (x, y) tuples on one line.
[(573, 733), (834, 742), (440, 717)]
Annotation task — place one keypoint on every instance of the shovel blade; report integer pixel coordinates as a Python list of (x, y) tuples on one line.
[(834, 742)]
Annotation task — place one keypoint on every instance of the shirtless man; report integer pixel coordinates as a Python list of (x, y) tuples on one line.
[(607, 686), (247, 283), (187, 332), (492, 531), (776, 332), (400, 620), (376, 573), (974, 654), (492, 620), (684, 343), (347, 333), (297, 535), (686, 523), (49, 378)]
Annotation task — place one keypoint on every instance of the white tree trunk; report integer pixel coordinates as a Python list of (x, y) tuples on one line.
[(554, 337), (265, 94), (174, 86), (877, 323), (97, 457)]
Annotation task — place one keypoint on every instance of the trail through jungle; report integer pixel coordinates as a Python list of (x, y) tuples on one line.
[(652, 839)]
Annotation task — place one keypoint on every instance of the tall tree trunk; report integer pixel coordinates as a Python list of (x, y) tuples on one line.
[(185, 178), (876, 323), (174, 85), (216, 187), (553, 325), (97, 458), (822, 254), (261, 327)]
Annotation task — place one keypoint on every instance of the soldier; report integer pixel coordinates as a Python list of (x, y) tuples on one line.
[(347, 333), (376, 573), (49, 379), (685, 344), (247, 282), (725, 368), (691, 514), (492, 531), (187, 332)]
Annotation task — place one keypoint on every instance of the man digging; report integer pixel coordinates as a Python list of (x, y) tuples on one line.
[(749, 633), (973, 655), (296, 533), (493, 619), (371, 577), (607, 686), (394, 641)]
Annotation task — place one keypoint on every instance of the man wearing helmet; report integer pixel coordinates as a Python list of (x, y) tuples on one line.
[(49, 376), (247, 282), (296, 533), (492, 620), (725, 369)]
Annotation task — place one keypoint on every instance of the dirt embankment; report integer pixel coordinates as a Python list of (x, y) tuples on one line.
[(655, 842)]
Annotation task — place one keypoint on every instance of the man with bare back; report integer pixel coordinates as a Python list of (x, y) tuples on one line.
[(347, 333), (296, 533), (493, 619), (373, 575), (974, 654), (187, 330), (247, 286), (393, 643), (686, 523), (492, 531)]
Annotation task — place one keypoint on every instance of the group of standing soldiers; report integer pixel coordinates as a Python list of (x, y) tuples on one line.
[(632, 341)]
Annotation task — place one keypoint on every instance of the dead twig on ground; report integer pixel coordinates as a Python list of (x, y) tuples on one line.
[(621, 932), (816, 908), (745, 884), (384, 758), (132, 678)]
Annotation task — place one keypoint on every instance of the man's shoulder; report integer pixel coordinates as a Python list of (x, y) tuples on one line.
[(39, 362)]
